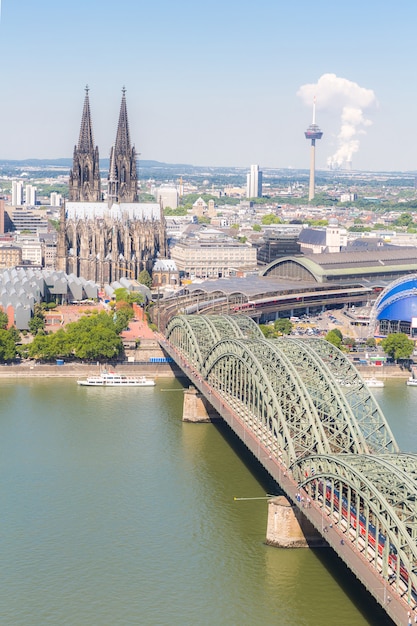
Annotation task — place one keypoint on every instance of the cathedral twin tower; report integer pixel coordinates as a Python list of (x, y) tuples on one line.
[(84, 183), (103, 241)]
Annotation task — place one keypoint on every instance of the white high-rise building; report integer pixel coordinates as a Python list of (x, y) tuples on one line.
[(254, 182), (56, 199), (167, 195), (17, 193), (30, 195)]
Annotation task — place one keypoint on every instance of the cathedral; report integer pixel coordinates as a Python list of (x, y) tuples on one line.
[(99, 239)]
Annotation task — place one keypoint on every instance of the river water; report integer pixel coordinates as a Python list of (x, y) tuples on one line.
[(114, 512)]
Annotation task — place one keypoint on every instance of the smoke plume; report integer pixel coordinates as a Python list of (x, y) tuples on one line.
[(350, 101)]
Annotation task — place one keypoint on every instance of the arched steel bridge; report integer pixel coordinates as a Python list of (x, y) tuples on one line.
[(306, 413)]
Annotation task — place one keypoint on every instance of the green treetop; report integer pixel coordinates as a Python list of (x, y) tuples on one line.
[(145, 278), (398, 346), (335, 337)]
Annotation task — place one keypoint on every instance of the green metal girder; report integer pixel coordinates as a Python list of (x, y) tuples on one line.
[(339, 422), (343, 413), (282, 405), (376, 481), (367, 413)]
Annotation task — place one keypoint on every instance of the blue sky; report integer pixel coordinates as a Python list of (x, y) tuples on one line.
[(213, 83)]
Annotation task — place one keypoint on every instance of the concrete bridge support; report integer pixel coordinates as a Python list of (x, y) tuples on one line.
[(196, 408), (287, 527)]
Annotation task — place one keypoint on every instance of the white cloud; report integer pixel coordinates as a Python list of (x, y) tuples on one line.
[(349, 100)]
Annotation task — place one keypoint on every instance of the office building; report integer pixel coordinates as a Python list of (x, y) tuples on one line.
[(254, 182), (167, 196), (17, 193), (32, 250), (10, 256), (209, 253), (29, 220), (56, 199), (30, 195)]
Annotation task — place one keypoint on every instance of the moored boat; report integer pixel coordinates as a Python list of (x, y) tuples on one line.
[(110, 379), (374, 382), (412, 382)]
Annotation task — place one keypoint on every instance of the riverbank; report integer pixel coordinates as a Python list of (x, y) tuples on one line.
[(383, 372), (151, 370), (81, 370)]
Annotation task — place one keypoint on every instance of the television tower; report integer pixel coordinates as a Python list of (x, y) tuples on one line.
[(313, 132)]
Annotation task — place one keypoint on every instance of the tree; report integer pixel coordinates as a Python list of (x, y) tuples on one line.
[(4, 320), (122, 317), (40, 348), (257, 228), (317, 223), (181, 210), (37, 322), (398, 346), (358, 228), (349, 342), (370, 342), (283, 326), (61, 346), (335, 337), (93, 338), (405, 219), (124, 296), (146, 197), (269, 219), (102, 343), (7, 346), (145, 278), (121, 294), (14, 333), (267, 331), (136, 297), (203, 219)]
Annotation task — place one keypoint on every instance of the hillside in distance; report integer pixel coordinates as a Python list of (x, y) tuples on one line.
[(209, 176)]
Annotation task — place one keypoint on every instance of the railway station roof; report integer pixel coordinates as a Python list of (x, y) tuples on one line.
[(367, 268), (357, 265), (256, 286)]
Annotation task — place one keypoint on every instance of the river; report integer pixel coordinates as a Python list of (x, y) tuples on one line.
[(113, 512)]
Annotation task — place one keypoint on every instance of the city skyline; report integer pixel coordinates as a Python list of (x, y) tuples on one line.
[(215, 84)]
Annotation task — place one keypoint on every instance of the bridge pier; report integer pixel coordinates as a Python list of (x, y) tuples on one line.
[(287, 527), (196, 408)]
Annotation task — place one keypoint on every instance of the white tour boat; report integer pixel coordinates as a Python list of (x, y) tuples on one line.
[(412, 382), (109, 379), (374, 382)]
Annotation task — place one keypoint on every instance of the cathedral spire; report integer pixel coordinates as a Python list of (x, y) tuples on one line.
[(86, 140), (122, 144), (84, 180), (122, 174)]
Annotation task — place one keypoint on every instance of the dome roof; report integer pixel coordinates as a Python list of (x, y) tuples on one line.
[(398, 301)]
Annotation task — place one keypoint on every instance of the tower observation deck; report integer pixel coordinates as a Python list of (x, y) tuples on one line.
[(312, 133)]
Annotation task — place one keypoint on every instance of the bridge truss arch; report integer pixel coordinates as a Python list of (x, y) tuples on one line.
[(373, 501), (340, 381), (195, 335), (303, 396)]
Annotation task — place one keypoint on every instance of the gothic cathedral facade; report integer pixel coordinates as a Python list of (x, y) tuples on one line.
[(99, 239)]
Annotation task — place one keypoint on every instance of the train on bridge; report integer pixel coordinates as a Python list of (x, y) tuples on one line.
[(356, 521)]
